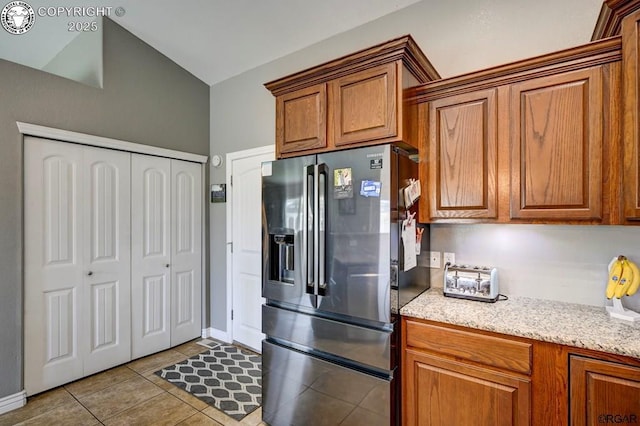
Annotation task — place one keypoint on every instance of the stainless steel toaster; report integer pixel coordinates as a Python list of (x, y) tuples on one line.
[(471, 282)]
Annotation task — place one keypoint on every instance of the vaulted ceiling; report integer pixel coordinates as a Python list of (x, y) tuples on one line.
[(217, 39)]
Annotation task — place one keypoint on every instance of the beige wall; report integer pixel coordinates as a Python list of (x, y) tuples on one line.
[(458, 36), (558, 262)]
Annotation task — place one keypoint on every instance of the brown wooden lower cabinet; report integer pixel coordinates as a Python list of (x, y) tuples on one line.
[(445, 392), (454, 375), (603, 392)]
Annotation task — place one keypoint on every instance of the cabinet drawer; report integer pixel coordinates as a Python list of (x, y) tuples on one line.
[(488, 350)]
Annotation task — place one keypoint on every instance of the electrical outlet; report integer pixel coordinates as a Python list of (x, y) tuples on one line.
[(449, 258), (434, 259)]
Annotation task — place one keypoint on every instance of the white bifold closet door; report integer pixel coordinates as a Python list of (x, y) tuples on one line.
[(77, 261), (186, 251), (166, 253)]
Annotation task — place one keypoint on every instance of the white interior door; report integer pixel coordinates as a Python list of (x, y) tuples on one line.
[(246, 225), (107, 258), (186, 251), (53, 271), (150, 254)]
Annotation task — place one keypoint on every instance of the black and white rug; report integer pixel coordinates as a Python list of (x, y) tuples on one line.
[(225, 377)]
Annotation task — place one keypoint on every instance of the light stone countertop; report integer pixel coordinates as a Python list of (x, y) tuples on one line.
[(564, 323)]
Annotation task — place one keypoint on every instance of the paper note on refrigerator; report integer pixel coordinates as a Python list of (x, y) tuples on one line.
[(409, 243), (411, 193)]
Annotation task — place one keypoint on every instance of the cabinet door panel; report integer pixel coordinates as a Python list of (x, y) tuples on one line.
[(556, 146), (603, 392), (463, 156), (631, 122), (301, 118), (150, 254), (444, 392), (364, 106)]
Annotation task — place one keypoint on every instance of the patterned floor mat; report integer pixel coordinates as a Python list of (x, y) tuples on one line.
[(226, 377)]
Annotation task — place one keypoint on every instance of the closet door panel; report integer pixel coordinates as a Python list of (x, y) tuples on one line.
[(151, 254), (53, 273), (107, 258), (186, 251)]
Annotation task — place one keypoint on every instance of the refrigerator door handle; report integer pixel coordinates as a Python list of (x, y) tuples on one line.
[(323, 175), (307, 273), (316, 230)]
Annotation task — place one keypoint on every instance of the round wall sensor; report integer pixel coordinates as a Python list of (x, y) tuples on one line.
[(216, 161)]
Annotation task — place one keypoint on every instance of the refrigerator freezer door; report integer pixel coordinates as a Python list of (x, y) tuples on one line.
[(367, 347), (299, 389), (355, 229), (287, 231)]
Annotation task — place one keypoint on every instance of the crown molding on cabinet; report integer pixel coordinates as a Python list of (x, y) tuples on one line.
[(402, 48), (595, 53), (609, 21)]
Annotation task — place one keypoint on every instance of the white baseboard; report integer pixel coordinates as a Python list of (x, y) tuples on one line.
[(216, 334), (12, 402)]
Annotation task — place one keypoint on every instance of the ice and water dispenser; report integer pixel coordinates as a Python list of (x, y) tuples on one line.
[(281, 257)]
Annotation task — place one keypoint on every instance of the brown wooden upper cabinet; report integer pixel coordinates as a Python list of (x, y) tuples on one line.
[(630, 124), (364, 106), (301, 119), (531, 141), (622, 17), (351, 101), (556, 146), (461, 151)]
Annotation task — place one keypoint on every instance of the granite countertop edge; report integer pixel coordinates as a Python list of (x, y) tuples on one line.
[(570, 324)]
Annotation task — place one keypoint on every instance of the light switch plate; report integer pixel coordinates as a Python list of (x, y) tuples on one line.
[(434, 259)]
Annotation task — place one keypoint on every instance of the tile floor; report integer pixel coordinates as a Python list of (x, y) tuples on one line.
[(126, 395)]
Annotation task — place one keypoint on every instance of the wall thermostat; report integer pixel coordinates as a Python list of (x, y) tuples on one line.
[(216, 161)]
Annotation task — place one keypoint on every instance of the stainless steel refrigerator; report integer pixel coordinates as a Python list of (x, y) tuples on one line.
[(337, 267)]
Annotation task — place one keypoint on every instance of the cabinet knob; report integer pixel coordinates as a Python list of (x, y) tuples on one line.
[(167, 265), (90, 273)]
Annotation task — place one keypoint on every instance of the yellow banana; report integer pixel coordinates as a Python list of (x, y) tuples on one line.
[(614, 276), (635, 283), (625, 280)]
